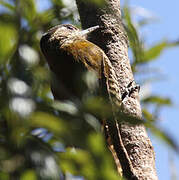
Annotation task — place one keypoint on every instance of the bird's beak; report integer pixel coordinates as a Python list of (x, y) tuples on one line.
[(87, 31)]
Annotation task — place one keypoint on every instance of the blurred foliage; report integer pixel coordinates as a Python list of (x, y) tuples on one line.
[(44, 139), (141, 57)]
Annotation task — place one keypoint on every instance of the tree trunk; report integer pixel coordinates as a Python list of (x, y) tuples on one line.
[(113, 40)]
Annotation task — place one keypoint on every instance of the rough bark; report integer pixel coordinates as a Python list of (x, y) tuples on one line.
[(113, 40)]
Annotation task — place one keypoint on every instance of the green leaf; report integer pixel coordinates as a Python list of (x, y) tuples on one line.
[(48, 121), (135, 43), (46, 16), (98, 106), (58, 3), (68, 107), (77, 162), (29, 175), (8, 40), (104, 162), (96, 143), (154, 51), (131, 30), (158, 100), (163, 136), (147, 115), (29, 10), (7, 5)]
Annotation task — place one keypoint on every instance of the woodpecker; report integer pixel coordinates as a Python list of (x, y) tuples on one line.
[(67, 51), (65, 67)]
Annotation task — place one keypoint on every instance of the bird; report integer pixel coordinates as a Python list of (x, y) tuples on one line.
[(68, 52)]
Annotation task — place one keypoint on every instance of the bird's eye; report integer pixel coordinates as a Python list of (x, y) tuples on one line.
[(71, 27)]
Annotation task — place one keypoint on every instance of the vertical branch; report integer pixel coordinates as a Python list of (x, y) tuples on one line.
[(113, 40)]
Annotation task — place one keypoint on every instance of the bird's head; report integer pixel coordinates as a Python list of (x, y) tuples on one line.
[(59, 34)]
